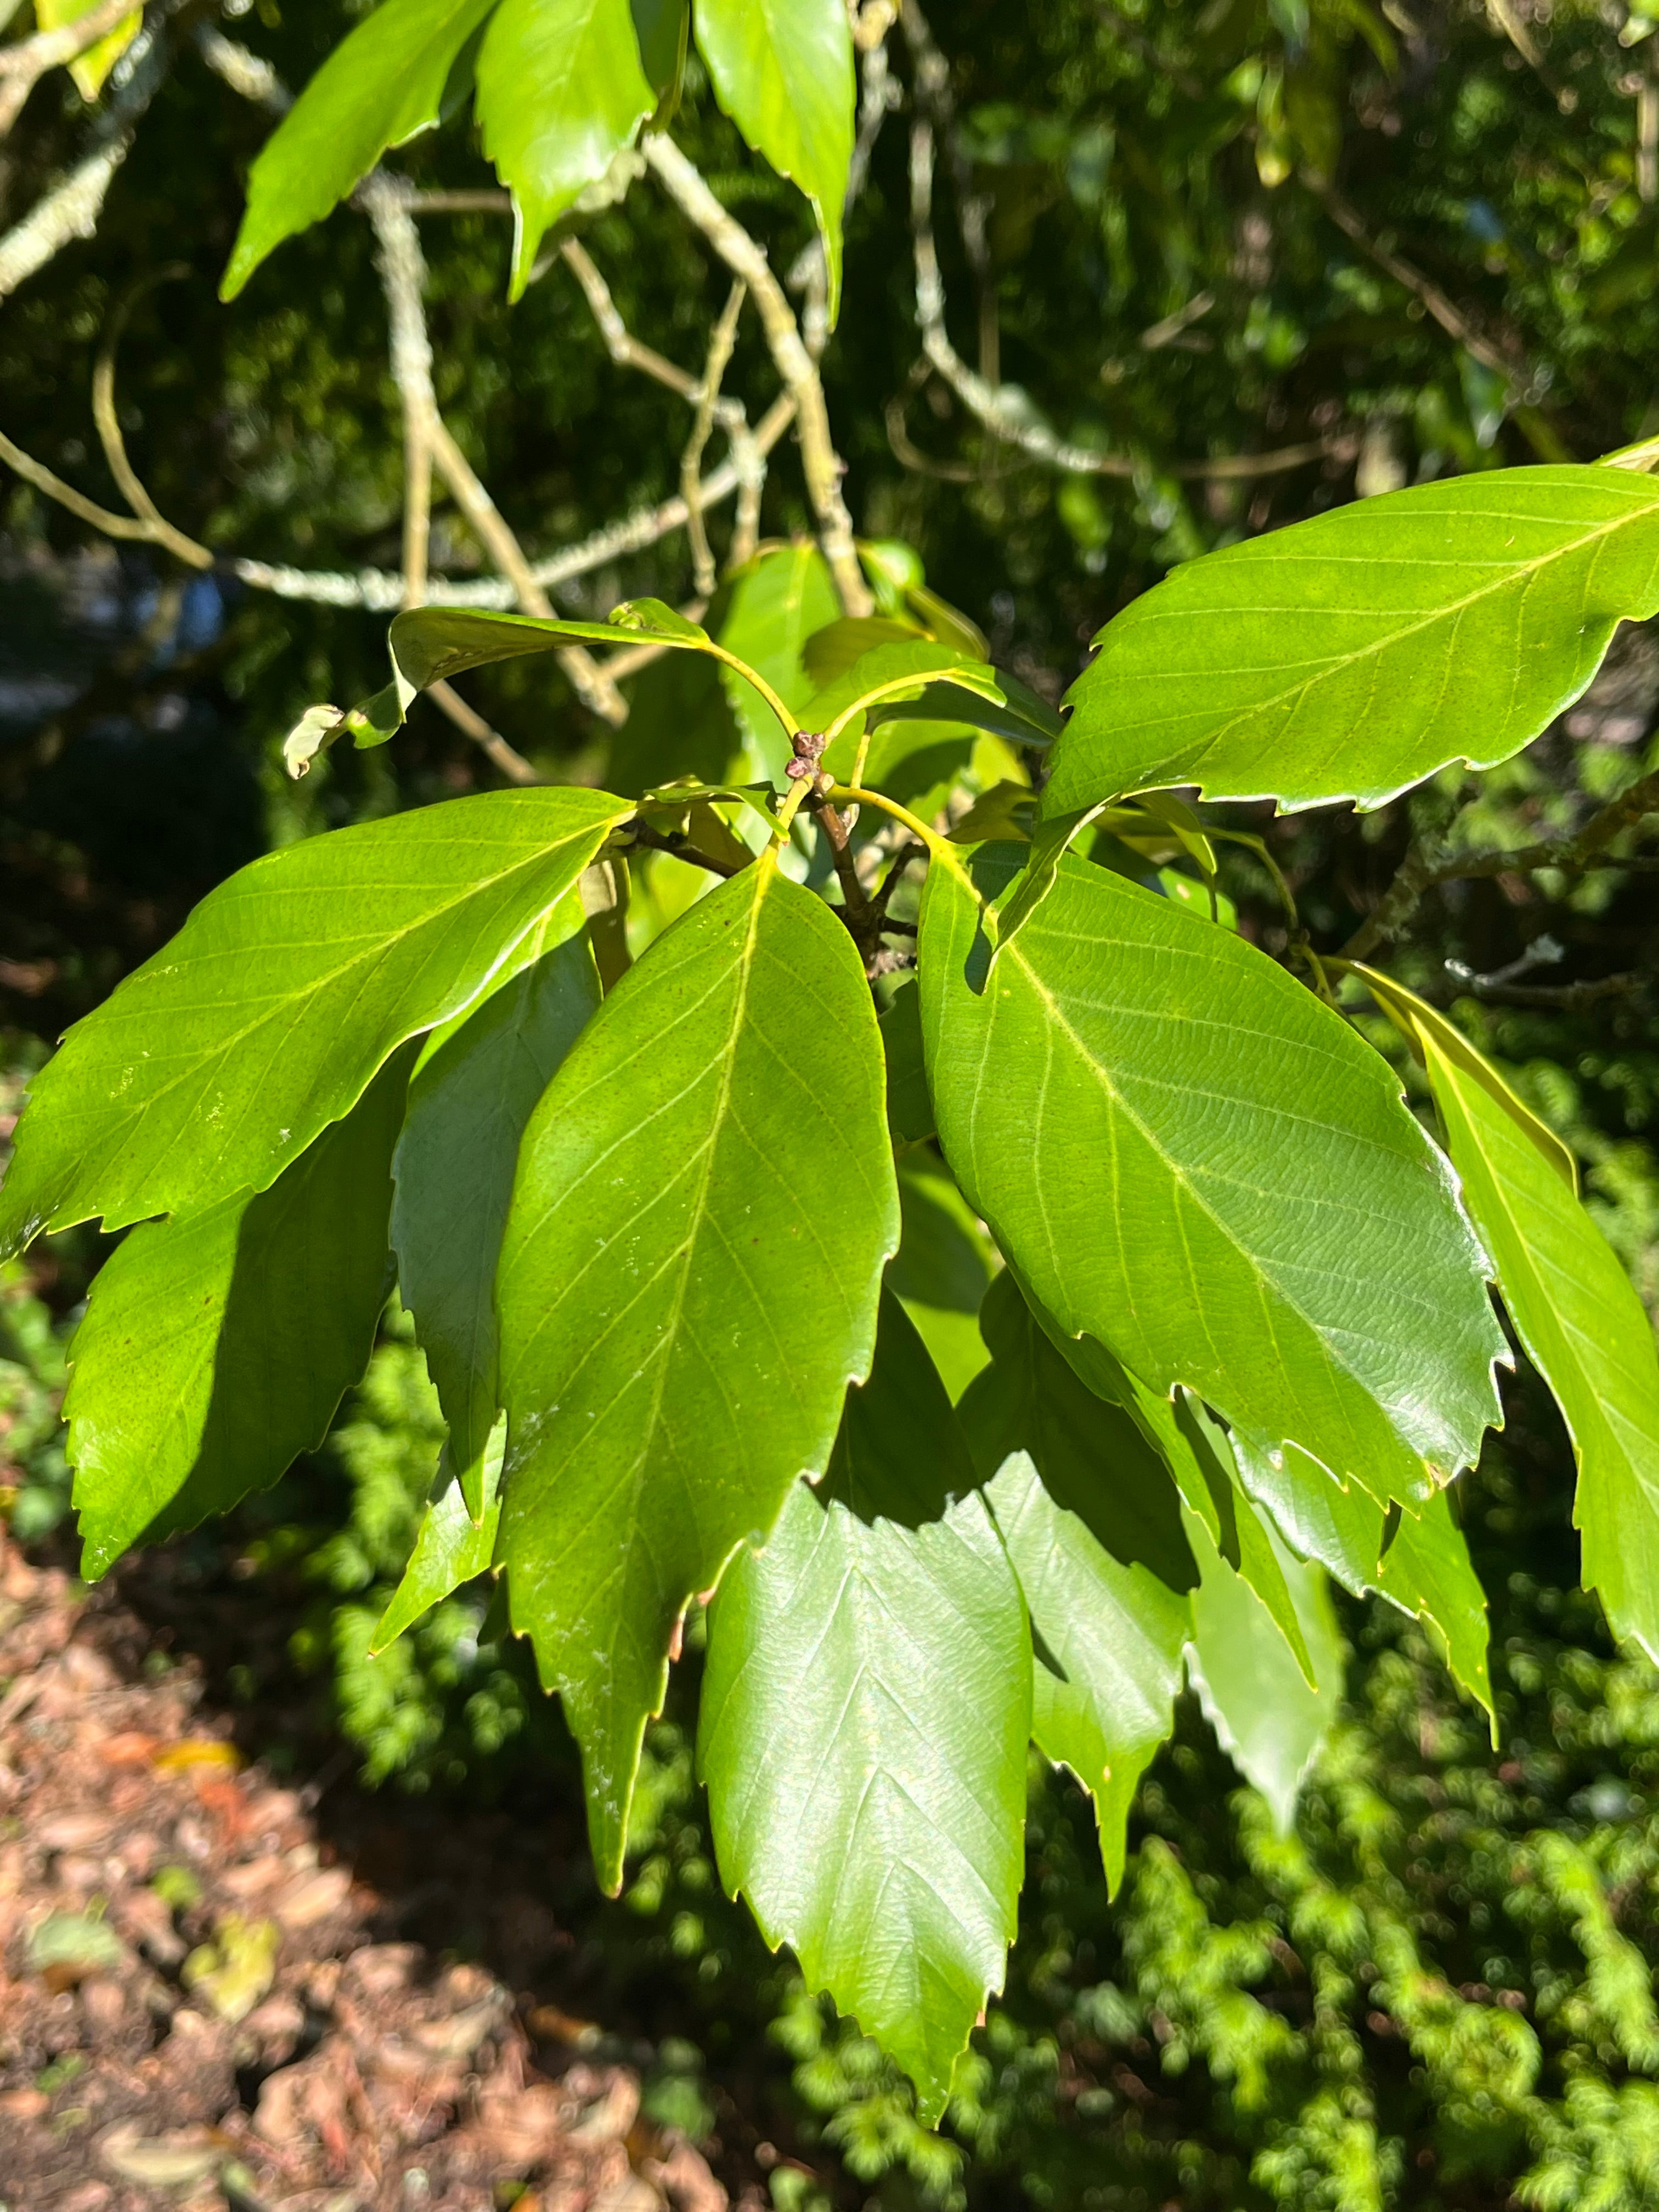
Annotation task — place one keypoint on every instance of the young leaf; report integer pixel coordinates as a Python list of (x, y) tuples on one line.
[(865, 1709), (830, 652), (1271, 1723), (782, 70), (560, 92), (863, 695), (219, 1060), (429, 645), (944, 1263), (1193, 1160), (1583, 1327), (450, 1549), (1350, 655), (688, 1280), (214, 1349), (474, 1091), (777, 602), (381, 85), (1109, 1637)]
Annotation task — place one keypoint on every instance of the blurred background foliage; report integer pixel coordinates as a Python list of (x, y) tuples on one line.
[(1394, 242)]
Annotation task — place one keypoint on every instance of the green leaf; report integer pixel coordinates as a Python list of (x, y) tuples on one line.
[(782, 70), (909, 1109), (777, 602), (1009, 709), (830, 652), (1094, 1459), (945, 1260), (1270, 1722), (662, 27), (1177, 1433), (1583, 1328), (219, 1060), (884, 678), (90, 69), (1193, 1160), (1109, 1638), (865, 1709), (214, 1349), (1425, 1569), (451, 1547), (1350, 655), (560, 94), (475, 1090), (429, 645), (381, 85), (688, 1280)]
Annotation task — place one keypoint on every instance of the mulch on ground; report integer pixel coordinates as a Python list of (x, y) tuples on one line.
[(199, 2006)]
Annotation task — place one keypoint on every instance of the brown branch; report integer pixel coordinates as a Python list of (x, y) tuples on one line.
[(1423, 869), (656, 840), (745, 257), (1451, 318)]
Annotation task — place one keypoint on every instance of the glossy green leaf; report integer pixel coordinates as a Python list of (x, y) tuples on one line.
[(1350, 655), (213, 1066), (830, 652), (451, 1547), (777, 602), (471, 1096), (944, 1263), (1008, 709), (865, 1709), (1109, 1638), (1188, 1444), (1426, 1570), (882, 678), (1093, 1457), (214, 1349), (782, 70), (1193, 1160), (688, 1280), (560, 92), (383, 83), (1269, 1721), (1583, 1328)]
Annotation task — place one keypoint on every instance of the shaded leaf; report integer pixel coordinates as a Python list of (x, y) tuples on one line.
[(865, 1709), (1109, 1638), (944, 1262), (560, 92), (909, 1109), (1194, 1161), (383, 83), (214, 1349), (688, 1280), (1270, 1722), (474, 1091), (782, 70), (213, 1066), (1352, 654)]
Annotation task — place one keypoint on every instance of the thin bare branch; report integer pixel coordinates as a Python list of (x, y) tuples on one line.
[(723, 337), (247, 74), (746, 257), (123, 527), (71, 210), (1009, 418), (1424, 868), (1450, 318), (512, 763), (23, 65), (104, 416)]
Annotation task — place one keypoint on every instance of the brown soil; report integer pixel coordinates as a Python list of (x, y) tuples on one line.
[(198, 2009)]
